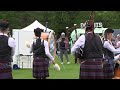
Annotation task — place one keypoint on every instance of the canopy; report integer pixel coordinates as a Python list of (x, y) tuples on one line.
[(35, 25)]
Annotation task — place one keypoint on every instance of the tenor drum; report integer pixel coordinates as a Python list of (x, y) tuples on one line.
[(50, 37), (117, 71)]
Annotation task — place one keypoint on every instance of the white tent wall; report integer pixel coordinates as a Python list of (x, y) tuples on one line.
[(21, 36), (15, 36), (20, 39)]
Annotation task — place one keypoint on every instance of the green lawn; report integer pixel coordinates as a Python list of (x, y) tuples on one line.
[(68, 71)]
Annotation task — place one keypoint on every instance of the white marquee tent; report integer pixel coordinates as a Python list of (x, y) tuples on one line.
[(23, 35)]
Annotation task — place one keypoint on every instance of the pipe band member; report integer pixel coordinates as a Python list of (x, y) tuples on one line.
[(7, 50), (109, 52), (91, 64), (41, 56)]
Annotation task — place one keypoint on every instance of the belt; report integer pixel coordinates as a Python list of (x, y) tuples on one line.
[(5, 61)]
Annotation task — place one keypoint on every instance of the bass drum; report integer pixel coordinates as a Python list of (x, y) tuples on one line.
[(50, 37)]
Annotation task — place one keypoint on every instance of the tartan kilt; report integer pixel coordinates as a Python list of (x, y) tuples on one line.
[(91, 69), (40, 67), (5, 71), (108, 68)]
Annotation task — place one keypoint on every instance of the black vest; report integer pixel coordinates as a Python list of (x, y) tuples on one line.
[(108, 53), (5, 50), (62, 44), (93, 47), (39, 49)]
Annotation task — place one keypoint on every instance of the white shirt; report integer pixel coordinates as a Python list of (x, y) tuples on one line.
[(109, 46), (118, 44), (46, 48), (78, 43), (11, 43)]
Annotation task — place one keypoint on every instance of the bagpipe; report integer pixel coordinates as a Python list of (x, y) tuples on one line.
[(50, 37), (79, 53), (88, 23)]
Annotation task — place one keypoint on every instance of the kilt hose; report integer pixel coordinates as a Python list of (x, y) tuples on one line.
[(108, 68), (5, 70), (91, 69), (40, 68)]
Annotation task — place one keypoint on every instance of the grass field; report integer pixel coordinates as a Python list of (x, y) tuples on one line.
[(68, 71)]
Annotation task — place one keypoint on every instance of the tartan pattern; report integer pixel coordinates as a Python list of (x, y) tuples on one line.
[(108, 69), (5, 71), (91, 69), (40, 67)]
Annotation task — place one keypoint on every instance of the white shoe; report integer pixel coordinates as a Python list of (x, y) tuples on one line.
[(68, 62), (61, 62)]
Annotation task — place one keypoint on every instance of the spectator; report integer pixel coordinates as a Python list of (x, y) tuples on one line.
[(63, 46)]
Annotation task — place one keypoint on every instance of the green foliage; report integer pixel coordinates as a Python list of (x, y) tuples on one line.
[(58, 20)]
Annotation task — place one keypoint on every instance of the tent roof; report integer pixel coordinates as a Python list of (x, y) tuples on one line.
[(34, 25)]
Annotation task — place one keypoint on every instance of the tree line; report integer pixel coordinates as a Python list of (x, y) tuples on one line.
[(59, 20)]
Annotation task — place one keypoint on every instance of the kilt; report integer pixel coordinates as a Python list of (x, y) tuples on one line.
[(5, 70), (108, 68), (40, 67), (91, 69)]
